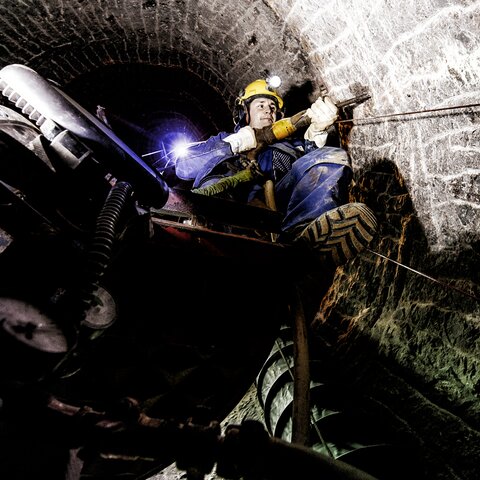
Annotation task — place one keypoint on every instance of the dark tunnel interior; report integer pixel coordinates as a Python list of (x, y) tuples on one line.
[(152, 108)]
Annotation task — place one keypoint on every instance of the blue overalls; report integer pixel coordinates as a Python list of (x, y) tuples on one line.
[(308, 180)]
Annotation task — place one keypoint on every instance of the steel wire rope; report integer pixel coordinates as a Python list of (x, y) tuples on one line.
[(403, 114)]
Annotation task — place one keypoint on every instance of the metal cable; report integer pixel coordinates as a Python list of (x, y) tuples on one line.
[(443, 284), (417, 112)]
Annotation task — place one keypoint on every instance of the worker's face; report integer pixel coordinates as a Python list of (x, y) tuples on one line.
[(262, 112)]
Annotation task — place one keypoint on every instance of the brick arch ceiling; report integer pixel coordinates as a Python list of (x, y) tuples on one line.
[(153, 61)]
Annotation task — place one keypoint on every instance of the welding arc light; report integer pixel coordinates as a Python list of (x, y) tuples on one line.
[(274, 82), (180, 147)]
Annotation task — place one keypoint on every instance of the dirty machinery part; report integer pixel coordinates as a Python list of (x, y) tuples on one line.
[(98, 302)]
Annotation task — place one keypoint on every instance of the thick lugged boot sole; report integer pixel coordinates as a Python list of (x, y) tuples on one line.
[(340, 234)]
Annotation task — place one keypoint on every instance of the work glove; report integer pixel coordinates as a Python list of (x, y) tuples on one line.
[(242, 140), (322, 114)]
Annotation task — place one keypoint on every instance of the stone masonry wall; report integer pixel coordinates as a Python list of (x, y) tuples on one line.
[(413, 298)]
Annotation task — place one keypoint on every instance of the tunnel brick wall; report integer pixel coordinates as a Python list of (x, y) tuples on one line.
[(418, 171), (229, 44), (410, 57)]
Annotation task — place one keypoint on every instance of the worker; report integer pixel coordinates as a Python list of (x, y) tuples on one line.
[(311, 180)]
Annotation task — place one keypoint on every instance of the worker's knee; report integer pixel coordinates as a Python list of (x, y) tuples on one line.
[(326, 156)]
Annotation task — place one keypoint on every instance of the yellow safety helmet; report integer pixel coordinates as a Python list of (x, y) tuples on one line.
[(259, 88)]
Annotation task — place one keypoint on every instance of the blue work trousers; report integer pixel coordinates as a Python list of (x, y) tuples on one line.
[(316, 183)]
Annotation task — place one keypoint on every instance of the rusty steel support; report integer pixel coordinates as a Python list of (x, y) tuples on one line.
[(301, 381)]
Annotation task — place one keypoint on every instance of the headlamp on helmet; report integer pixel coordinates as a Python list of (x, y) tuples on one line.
[(274, 81)]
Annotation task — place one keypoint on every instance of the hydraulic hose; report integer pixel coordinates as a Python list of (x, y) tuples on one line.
[(79, 298), (73, 306), (226, 183), (100, 252)]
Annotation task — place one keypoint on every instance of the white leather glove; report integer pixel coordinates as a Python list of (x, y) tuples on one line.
[(322, 113), (242, 140)]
